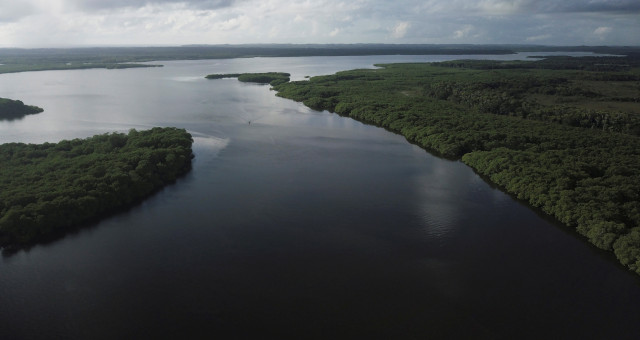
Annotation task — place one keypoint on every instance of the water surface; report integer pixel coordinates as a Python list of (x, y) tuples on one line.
[(301, 224)]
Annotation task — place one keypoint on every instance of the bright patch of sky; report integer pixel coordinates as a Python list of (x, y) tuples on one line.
[(47, 23)]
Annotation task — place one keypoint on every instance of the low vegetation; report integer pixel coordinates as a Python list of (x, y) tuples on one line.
[(15, 68), (554, 133), (46, 189)]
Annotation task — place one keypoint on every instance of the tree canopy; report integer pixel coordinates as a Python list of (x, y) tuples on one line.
[(46, 189), (14, 109), (272, 78)]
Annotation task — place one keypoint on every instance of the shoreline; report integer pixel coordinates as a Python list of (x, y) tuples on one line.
[(541, 163)]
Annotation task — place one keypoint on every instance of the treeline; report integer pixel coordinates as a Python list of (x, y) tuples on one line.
[(48, 188), (14, 109), (272, 78), (587, 178), (20, 60), (588, 63)]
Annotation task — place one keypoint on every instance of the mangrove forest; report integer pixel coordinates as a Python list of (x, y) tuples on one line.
[(47, 189), (15, 109)]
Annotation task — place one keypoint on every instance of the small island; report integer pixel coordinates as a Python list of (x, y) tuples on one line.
[(48, 189), (271, 78), (561, 134), (15, 109)]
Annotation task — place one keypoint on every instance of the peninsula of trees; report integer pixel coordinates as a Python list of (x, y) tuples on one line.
[(272, 78), (561, 134), (14, 109), (46, 189)]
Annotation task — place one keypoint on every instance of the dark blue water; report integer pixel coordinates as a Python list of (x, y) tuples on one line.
[(300, 225)]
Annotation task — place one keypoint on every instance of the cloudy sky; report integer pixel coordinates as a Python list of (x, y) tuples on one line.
[(49, 23)]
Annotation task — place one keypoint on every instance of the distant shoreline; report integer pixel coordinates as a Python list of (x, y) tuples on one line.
[(13, 60)]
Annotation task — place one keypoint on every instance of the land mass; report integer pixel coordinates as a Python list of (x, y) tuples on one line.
[(560, 133), (15, 109), (271, 78), (48, 189), (21, 60)]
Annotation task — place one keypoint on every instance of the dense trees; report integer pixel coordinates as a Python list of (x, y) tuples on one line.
[(13, 109), (585, 174), (47, 188), (569, 94), (273, 78)]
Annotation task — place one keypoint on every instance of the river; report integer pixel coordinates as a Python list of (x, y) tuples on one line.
[(294, 224)]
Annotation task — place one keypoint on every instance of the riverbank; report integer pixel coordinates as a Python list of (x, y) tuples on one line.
[(584, 172), (47, 189)]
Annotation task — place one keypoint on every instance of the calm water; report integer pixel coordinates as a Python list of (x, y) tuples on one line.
[(300, 224)]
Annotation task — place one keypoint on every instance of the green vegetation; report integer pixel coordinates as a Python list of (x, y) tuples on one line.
[(223, 76), (562, 138), (48, 188), (14, 109), (272, 78), (592, 92)]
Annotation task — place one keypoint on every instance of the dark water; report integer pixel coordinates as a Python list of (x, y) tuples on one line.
[(301, 224)]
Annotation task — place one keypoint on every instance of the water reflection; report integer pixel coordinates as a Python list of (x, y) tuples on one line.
[(11, 118), (442, 203), (213, 145)]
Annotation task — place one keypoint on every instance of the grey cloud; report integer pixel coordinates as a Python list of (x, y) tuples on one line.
[(11, 11), (113, 4), (581, 6), (534, 6)]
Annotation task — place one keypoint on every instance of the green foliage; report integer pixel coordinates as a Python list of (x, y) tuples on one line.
[(273, 78), (222, 76), (47, 188), (587, 177), (13, 109), (624, 63), (264, 78)]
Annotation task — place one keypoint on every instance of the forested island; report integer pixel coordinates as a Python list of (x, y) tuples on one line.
[(561, 133), (271, 78), (47, 189), (15, 109)]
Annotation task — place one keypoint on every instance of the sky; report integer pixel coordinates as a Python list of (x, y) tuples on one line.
[(67, 23)]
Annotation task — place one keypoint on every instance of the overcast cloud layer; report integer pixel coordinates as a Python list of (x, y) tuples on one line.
[(46, 23)]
